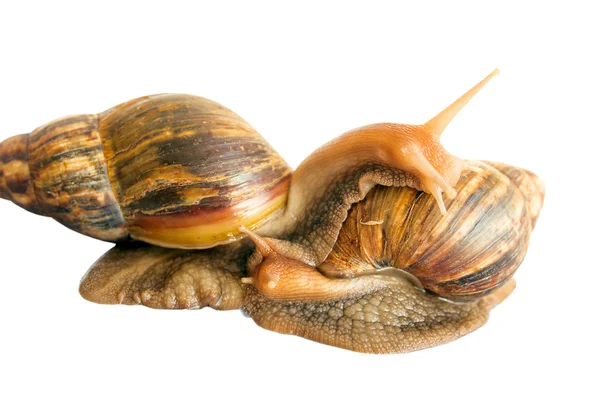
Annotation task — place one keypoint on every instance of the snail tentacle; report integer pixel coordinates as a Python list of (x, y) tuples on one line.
[(266, 246), (437, 124), (434, 183)]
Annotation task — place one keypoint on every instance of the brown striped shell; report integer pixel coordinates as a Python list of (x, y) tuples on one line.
[(173, 170), (465, 254)]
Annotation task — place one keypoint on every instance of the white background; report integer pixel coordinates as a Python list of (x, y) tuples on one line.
[(301, 75)]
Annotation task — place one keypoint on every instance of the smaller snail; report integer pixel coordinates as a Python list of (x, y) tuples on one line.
[(283, 277), (463, 254)]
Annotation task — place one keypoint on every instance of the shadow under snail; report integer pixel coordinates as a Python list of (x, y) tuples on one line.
[(380, 241)]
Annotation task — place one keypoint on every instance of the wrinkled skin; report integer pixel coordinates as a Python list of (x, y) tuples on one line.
[(398, 317)]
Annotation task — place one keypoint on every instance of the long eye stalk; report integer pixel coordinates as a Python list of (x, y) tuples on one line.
[(436, 125)]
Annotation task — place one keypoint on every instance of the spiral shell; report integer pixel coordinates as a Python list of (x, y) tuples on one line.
[(468, 253), (172, 170)]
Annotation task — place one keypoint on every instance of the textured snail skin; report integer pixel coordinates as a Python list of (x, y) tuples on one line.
[(163, 278), (398, 318)]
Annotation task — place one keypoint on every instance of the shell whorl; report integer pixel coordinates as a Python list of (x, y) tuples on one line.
[(70, 180), (173, 170), (531, 186), (15, 178), (468, 253), (187, 171)]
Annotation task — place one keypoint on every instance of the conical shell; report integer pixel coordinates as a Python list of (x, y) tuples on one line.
[(467, 253), (173, 170)]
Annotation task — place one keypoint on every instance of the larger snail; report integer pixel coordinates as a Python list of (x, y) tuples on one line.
[(356, 248)]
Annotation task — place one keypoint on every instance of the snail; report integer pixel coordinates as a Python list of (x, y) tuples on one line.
[(381, 219)]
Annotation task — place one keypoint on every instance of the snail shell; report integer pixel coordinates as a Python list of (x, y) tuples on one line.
[(472, 250), (172, 170)]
